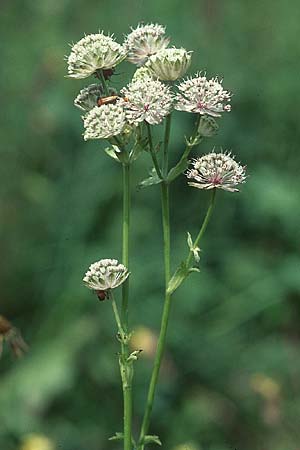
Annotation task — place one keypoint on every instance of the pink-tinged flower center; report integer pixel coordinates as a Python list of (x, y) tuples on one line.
[(201, 105), (217, 179), (146, 106)]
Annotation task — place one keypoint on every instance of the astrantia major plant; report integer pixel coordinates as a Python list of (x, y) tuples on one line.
[(125, 118)]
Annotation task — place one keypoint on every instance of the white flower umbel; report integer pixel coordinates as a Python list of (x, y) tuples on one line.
[(103, 122), (144, 41), (216, 170), (148, 100), (203, 96), (94, 52), (170, 64), (105, 274), (87, 97)]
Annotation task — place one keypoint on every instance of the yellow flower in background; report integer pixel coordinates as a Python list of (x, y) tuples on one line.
[(145, 339), (37, 442), (266, 386), (187, 446)]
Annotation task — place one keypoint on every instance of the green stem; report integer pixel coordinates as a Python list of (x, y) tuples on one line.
[(204, 225), (166, 145), (125, 240), (126, 379), (103, 82), (116, 314), (152, 151), (188, 147), (165, 316)]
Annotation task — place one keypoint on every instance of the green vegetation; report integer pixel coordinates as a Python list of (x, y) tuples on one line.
[(230, 378)]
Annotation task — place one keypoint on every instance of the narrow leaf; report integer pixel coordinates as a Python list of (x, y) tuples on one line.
[(153, 179), (180, 167), (151, 439), (179, 276), (117, 437)]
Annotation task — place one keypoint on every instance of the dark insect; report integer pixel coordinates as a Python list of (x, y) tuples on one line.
[(102, 295)]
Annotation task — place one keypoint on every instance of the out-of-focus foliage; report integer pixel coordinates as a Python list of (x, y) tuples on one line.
[(231, 373)]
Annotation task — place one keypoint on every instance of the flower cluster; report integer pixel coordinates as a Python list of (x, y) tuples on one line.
[(144, 41), (92, 53), (169, 64), (203, 96), (147, 100), (105, 274), (216, 170), (104, 122)]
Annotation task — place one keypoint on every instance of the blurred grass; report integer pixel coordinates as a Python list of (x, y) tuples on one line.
[(234, 328)]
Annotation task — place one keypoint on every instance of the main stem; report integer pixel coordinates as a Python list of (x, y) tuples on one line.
[(127, 386), (165, 316), (165, 205)]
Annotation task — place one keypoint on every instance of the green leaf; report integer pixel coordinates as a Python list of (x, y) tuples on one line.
[(194, 249), (179, 276), (181, 273), (180, 167), (153, 179), (117, 437), (149, 439), (120, 437), (138, 148), (112, 152)]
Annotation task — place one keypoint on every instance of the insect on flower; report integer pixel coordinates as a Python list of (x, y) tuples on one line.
[(109, 100)]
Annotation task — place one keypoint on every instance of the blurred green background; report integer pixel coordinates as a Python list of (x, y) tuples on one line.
[(231, 376)]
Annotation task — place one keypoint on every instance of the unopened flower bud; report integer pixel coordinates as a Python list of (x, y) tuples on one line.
[(169, 64), (207, 127)]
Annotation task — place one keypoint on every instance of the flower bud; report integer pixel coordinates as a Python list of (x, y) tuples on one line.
[(169, 64)]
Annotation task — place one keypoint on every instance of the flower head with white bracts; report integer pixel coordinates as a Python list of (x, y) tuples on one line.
[(103, 122), (144, 41), (216, 170), (203, 96), (92, 53), (147, 99), (88, 96), (105, 274), (169, 64)]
